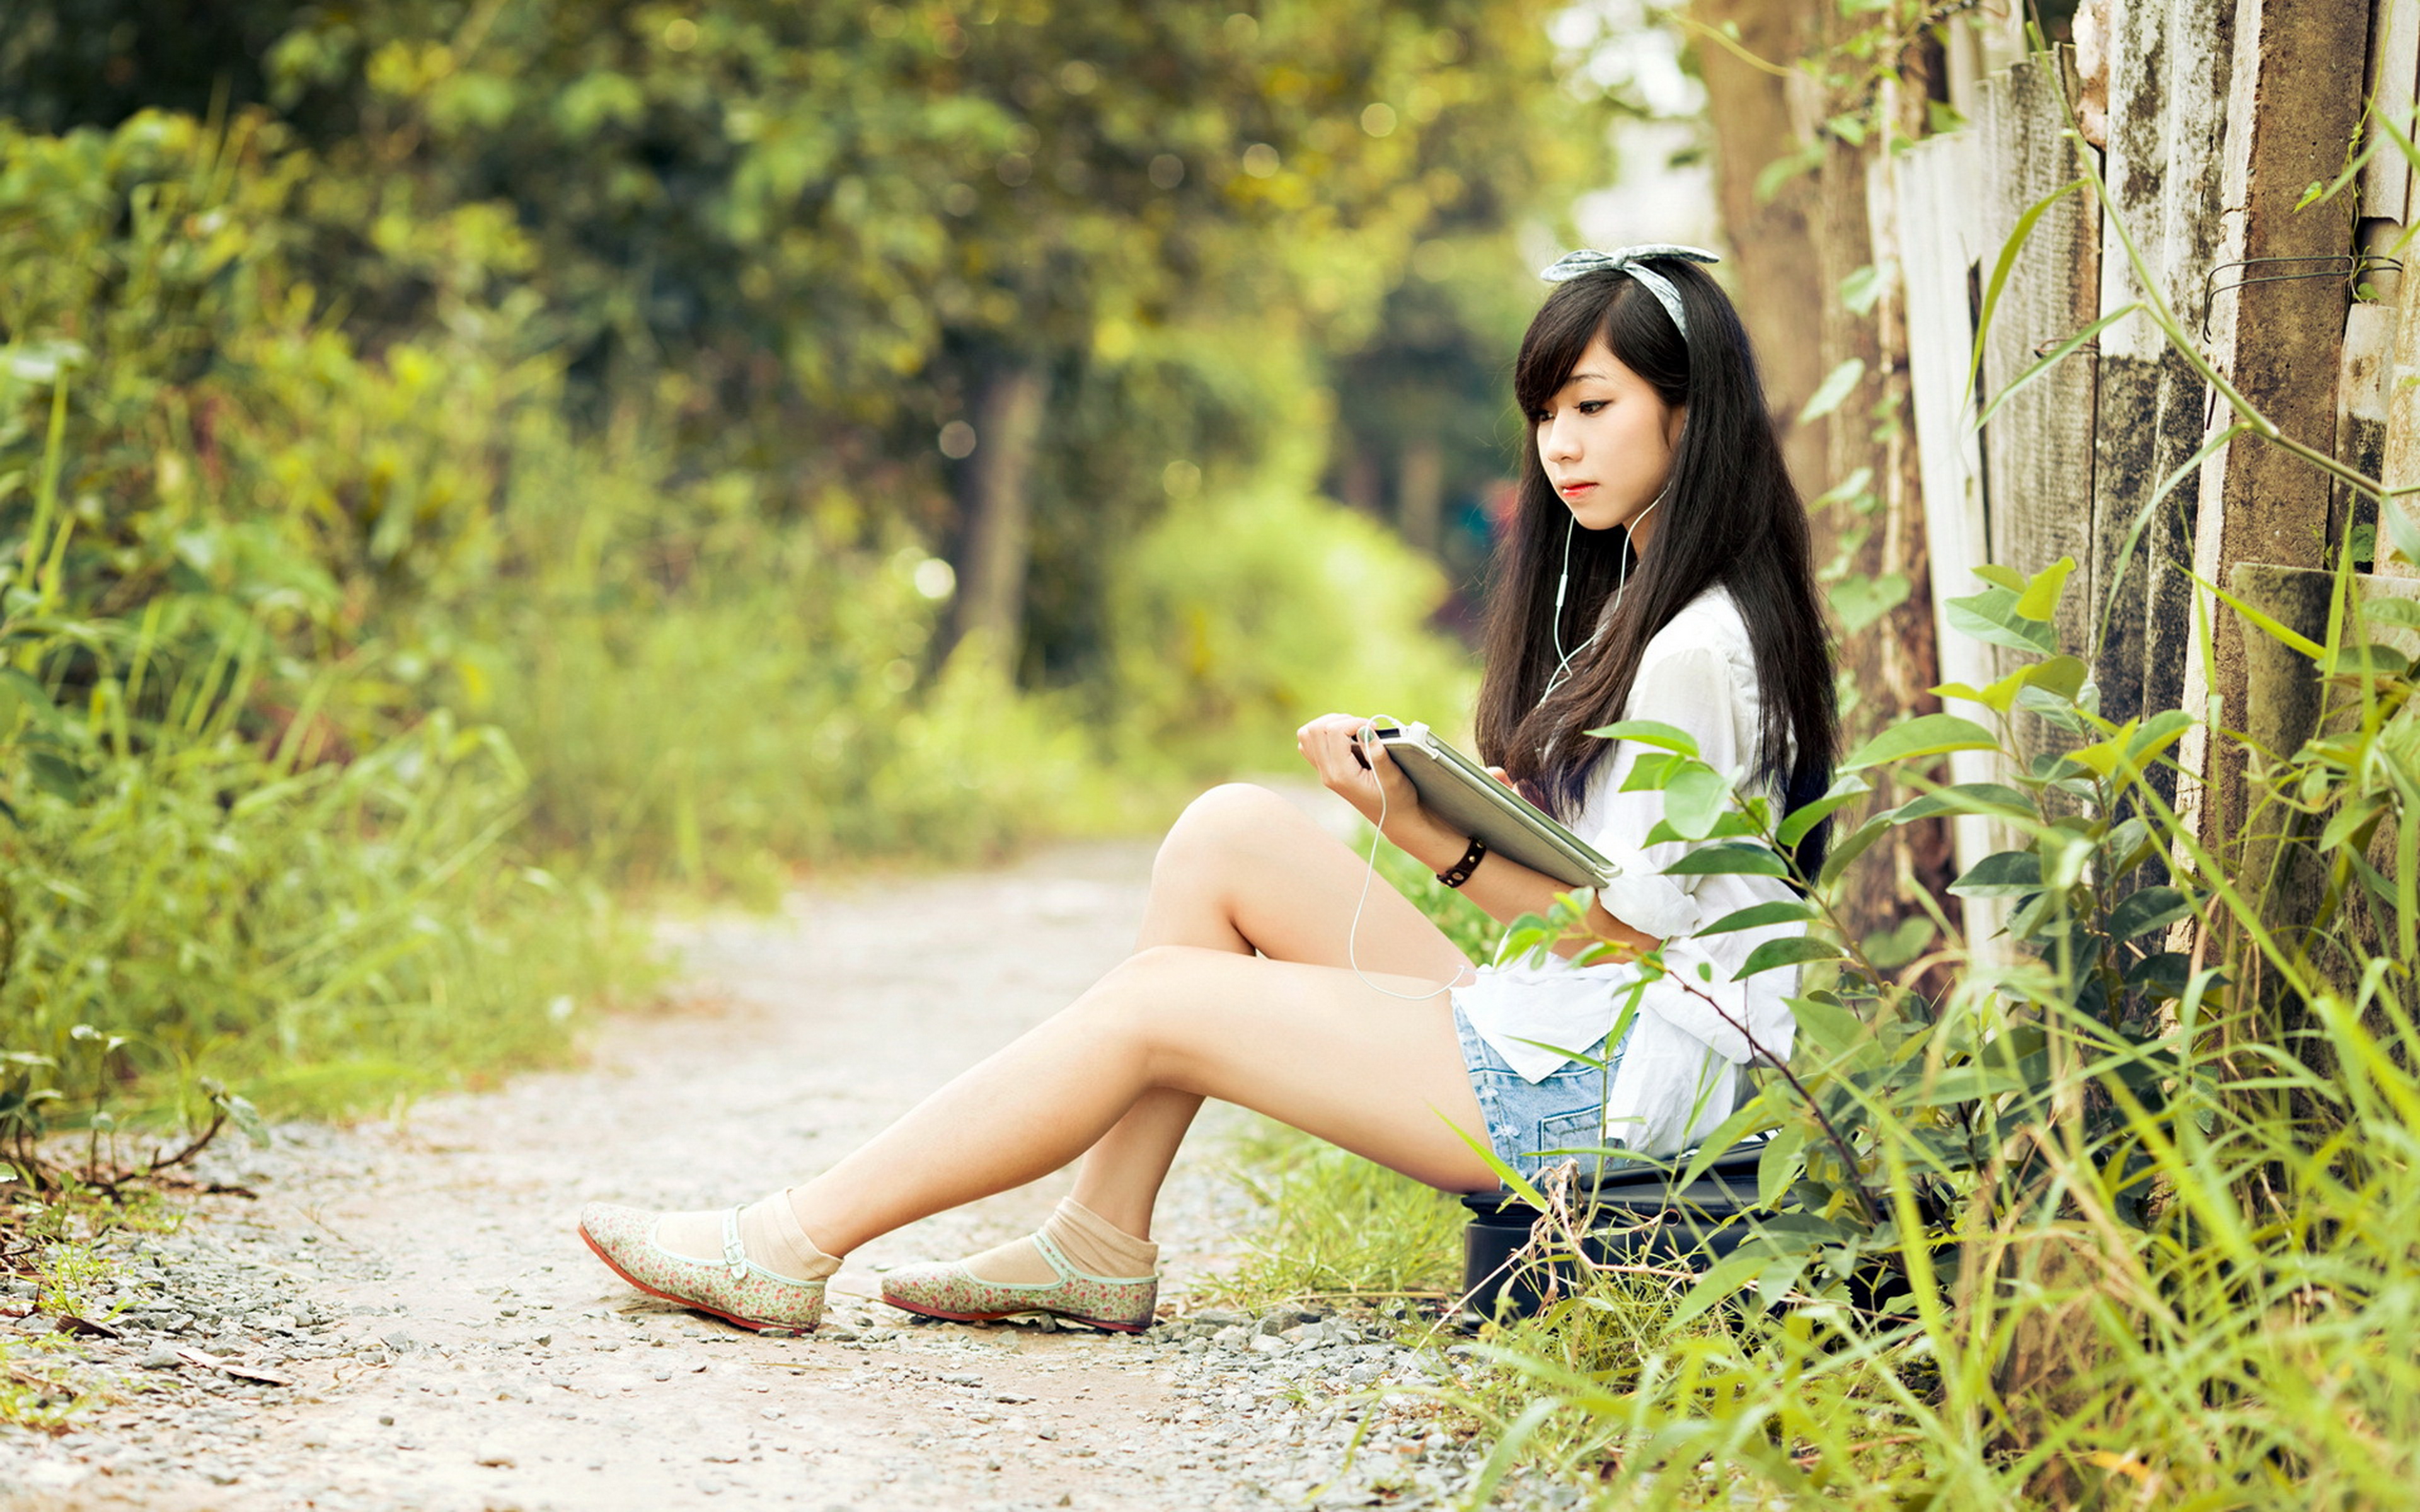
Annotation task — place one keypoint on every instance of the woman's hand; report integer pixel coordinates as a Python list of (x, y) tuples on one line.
[(1374, 786)]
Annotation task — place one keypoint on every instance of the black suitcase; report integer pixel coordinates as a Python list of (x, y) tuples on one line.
[(1635, 1216)]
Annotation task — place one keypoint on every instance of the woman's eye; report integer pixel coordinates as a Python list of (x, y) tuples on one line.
[(1589, 406)]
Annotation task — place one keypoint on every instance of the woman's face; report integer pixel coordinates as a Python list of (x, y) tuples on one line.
[(1607, 439)]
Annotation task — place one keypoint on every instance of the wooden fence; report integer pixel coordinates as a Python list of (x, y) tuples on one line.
[(2220, 117)]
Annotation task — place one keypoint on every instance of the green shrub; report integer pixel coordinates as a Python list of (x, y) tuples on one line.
[(708, 693), (1241, 616)]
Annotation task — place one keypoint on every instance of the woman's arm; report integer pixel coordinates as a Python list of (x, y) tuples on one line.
[(1503, 886)]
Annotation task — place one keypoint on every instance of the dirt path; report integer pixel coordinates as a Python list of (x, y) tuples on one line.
[(452, 1345)]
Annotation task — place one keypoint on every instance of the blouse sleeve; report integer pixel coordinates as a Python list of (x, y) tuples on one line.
[(1691, 688)]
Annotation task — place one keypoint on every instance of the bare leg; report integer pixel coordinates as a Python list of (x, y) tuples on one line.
[(1242, 870), (1309, 1045)]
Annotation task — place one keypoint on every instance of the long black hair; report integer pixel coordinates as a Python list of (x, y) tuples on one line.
[(1732, 516)]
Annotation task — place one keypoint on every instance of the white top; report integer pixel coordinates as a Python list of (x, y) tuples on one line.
[(1679, 1076)]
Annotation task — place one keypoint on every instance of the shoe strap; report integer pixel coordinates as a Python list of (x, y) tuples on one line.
[(734, 1254), (1059, 1261), (1066, 1268)]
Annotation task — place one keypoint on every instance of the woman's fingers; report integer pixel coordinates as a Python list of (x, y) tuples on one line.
[(1327, 744)]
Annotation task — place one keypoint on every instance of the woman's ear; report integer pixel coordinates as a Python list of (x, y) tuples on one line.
[(1674, 420)]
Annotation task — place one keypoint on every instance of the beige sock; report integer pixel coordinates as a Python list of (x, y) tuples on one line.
[(1092, 1244), (768, 1234)]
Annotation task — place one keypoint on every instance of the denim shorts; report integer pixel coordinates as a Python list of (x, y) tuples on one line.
[(1526, 1119)]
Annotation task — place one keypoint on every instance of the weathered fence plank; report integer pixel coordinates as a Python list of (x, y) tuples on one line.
[(2038, 446), (1938, 242), (2394, 73), (2276, 321), (2169, 68), (2401, 462), (2368, 356)]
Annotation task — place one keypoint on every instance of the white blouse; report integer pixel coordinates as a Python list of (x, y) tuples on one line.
[(1679, 1076)]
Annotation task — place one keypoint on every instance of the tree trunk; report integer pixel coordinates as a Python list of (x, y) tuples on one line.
[(1419, 495), (1794, 249), (1000, 512)]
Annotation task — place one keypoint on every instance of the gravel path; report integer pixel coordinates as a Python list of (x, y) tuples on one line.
[(436, 1337)]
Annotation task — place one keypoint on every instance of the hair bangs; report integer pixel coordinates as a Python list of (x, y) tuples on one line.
[(1572, 317)]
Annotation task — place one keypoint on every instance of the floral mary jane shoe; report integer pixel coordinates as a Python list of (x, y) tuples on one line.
[(952, 1291), (733, 1289)]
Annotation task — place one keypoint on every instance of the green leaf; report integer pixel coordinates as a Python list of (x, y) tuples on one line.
[(2004, 874), (1728, 859), (1851, 489), (1837, 386), (56, 775), (1751, 1116), (1998, 697), (1931, 734), (1790, 951), (1693, 798), (2145, 910), (2052, 359), (1967, 1084), (1860, 601), (2018, 235), (1804, 818), (1722, 1280), (1991, 616), (246, 1119), (2060, 675), (1860, 289), (1728, 824), (1779, 1166), (2000, 577), (2402, 612), (1894, 947), (1651, 732), (1844, 853), (2158, 734), (1828, 1026), (25, 693), (2291, 640), (1513, 1179), (1654, 769), (2371, 661), (1759, 916), (2403, 530), (1968, 798)]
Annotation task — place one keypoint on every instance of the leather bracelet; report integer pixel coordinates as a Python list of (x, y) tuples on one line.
[(1458, 873)]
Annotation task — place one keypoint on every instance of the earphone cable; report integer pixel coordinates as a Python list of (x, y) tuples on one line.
[(1367, 735)]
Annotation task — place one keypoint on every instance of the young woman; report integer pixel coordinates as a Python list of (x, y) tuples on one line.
[(1658, 569)]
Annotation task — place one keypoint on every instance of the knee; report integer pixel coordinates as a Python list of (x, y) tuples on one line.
[(1133, 1002), (1222, 822)]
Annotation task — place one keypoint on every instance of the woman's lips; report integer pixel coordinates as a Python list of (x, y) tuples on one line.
[(1572, 490)]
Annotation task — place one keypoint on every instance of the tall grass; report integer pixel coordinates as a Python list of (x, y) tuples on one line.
[(184, 897), (1337, 1228)]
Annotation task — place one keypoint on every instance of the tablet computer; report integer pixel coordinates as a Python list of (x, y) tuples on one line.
[(1464, 796)]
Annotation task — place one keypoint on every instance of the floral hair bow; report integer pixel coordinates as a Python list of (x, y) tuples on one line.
[(1631, 260)]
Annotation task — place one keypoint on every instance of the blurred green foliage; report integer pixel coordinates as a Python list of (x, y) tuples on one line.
[(457, 460)]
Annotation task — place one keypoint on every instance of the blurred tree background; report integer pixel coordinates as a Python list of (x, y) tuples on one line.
[(675, 444)]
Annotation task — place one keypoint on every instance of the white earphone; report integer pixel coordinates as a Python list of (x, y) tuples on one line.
[(1562, 583)]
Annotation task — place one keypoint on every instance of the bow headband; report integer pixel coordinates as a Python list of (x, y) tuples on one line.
[(1631, 260)]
